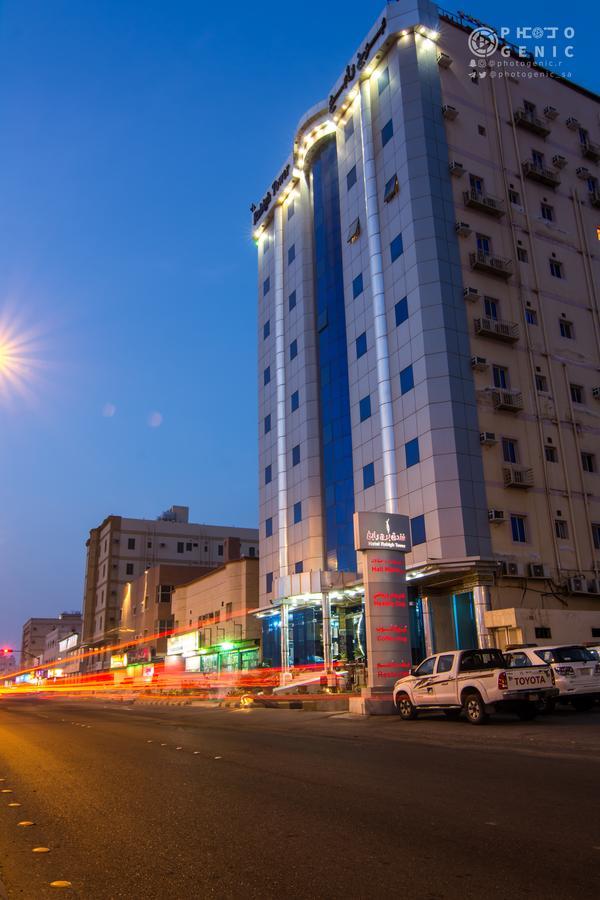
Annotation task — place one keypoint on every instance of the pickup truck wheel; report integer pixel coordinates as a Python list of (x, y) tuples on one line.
[(546, 705), (405, 708), (474, 709), (527, 712)]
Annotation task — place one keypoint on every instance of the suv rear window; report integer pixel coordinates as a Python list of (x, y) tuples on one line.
[(565, 654), (472, 660)]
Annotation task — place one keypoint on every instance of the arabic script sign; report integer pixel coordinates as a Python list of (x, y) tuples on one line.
[(362, 58), (381, 531)]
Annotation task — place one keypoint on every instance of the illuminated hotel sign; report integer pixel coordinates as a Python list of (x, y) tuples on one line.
[(260, 210), (384, 539), (362, 57), (183, 644)]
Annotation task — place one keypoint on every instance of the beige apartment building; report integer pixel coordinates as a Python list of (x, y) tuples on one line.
[(34, 643), (429, 343), (121, 549)]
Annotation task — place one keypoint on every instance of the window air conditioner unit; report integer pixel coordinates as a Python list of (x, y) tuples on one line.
[(550, 112), (449, 112), (509, 569), (572, 123), (488, 438), (479, 363), (496, 515), (559, 161), (463, 228), (444, 60), (593, 586), (578, 584), (456, 168), (596, 393), (582, 172), (537, 570), (472, 294)]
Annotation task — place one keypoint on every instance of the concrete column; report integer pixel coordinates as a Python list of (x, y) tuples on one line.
[(428, 625), (481, 602), (373, 232), (282, 504), (285, 676), (326, 608)]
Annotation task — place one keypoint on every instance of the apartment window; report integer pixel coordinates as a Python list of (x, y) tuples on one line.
[(180, 546), (266, 329), (401, 310), (383, 80), (387, 133), (129, 569), (417, 530), (588, 461), (596, 535), (131, 543), (566, 329), (149, 545), (541, 383), (188, 547), (220, 550), (561, 529), (522, 255), (295, 401), (361, 345), (291, 254), (291, 209), (349, 128), (269, 527), (297, 513), (396, 248), (368, 476), (484, 244), (514, 198), (266, 286), (357, 286), (353, 232), (267, 423), (391, 188), (351, 178), (292, 301), (269, 582), (537, 159), (576, 393), (296, 455), (476, 183), (510, 450), (556, 268), (518, 529), (547, 212), (491, 308), (407, 380), (365, 408), (267, 375), (481, 130), (268, 474), (411, 450), (294, 349), (299, 568), (550, 453), (531, 316), (542, 633), (501, 377)]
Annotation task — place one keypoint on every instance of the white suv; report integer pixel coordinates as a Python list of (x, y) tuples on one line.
[(576, 671)]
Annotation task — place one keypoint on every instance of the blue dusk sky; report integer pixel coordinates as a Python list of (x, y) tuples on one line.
[(135, 135)]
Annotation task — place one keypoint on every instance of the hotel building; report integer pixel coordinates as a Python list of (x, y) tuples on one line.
[(429, 344)]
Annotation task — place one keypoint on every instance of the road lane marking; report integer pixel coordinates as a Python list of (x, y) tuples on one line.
[(14, 804), (24, 824), (179, 748), (218, 757), (60, 884), (41, 850), (6, 791)]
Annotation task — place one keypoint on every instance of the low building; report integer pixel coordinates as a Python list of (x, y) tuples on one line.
[(64, 628), (526, 625), (34, 647), (215, 629)]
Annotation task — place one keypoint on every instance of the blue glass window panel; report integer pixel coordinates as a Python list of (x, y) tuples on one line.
[(387, 133), (297, 512), (269, 527), (266, 329), (383, 80), (269, 582), (417, 530), (266, 286), (295, 401), (357, 286), (294, 349), (292, 300), (291, 209), (351, 178), (365, 408), (411, 449), (268, 474), (267, 423), (361, 345), (299, 567), (396, 248), (407, 381), (267, 375), (271, 638), (349, 128), (368, 475), (401, 310), (296, 455), (291, 254), (517, 525)]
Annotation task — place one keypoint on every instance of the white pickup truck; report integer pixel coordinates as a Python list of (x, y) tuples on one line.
[(477, 682)]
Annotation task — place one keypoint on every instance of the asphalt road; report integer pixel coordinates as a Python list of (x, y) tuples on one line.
[(285, 803)]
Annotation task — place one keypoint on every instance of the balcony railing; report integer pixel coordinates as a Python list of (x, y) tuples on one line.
[(524, 119), (539, 173), (497, 328), (493, 265), (484, 202), (517, 477), (591, 150), (511, 401)]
